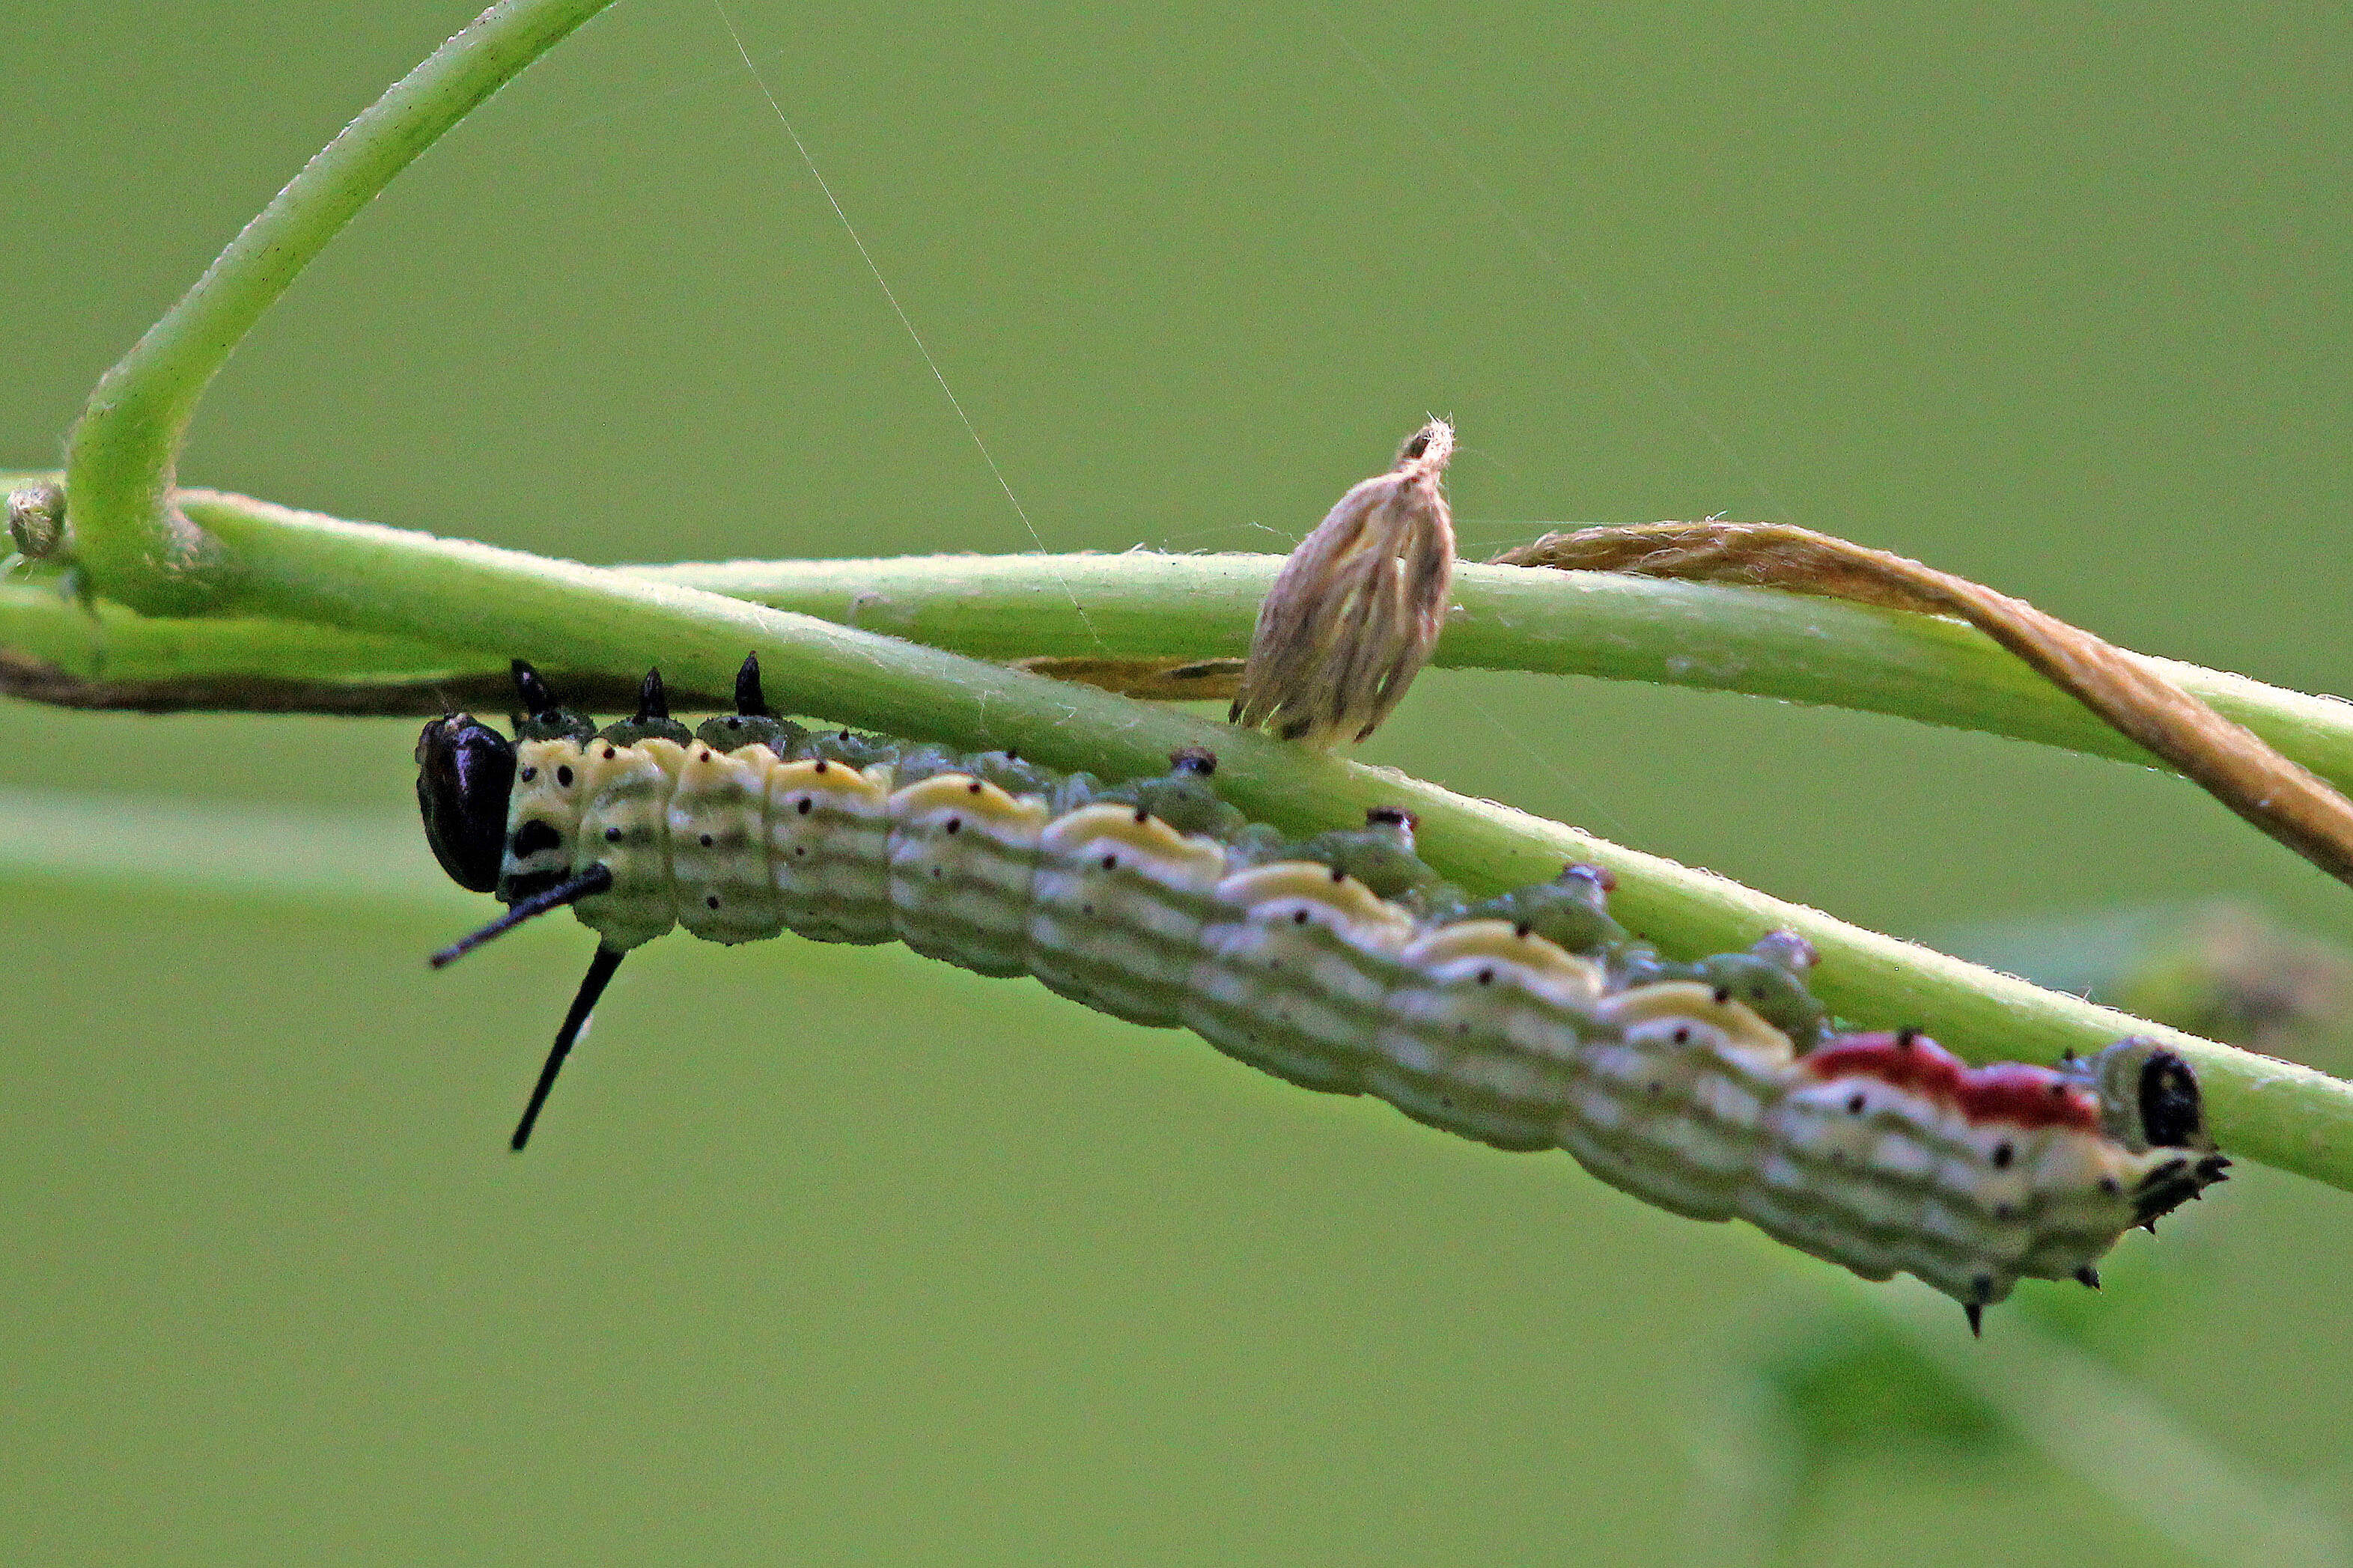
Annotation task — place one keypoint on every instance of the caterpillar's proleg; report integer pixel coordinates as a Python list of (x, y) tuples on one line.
[(1529, 1021)]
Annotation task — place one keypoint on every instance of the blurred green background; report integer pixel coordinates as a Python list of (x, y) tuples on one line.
[(843, 1256)]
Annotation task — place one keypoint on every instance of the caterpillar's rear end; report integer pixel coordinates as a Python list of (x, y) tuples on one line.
[(1343, 964)]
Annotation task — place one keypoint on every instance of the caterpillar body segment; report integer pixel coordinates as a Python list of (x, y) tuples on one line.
[(718, 831), (1116, 910), (625, 793), (1296, 962), (828, 833), (1344, 964), (963, 856)]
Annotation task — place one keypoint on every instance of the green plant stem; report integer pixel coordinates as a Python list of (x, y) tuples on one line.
[(1760, 641), (1145, 606), (135, 546), (105, 641), (400, 585)]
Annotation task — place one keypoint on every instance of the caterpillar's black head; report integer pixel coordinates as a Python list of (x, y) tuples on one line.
[(465, 769), (2171, 1114), (2148, 1097)]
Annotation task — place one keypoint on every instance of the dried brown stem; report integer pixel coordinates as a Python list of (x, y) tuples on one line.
[(2238, 768), (1153, 679)]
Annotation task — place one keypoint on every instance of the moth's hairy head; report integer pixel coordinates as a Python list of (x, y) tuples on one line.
[(465, 770)]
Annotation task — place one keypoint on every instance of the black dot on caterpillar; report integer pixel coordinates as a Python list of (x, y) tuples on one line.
[(1598, 1046)]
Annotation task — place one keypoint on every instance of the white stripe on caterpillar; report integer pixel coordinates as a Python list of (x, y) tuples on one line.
[(1682, 1084)]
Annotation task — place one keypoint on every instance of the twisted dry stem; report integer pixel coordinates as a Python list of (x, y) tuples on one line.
[(2235, 765)]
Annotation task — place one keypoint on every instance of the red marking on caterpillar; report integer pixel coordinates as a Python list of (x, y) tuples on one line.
[(2008, 1092)]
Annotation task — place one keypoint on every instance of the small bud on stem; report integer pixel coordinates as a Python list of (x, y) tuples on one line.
[(37, 520)]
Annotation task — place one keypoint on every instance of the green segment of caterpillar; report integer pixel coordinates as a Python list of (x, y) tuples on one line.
[(1715, 1089)]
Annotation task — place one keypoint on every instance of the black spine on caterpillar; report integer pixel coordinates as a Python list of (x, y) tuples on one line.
[(1529, 1020)]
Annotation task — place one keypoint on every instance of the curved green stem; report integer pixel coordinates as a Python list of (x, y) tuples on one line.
[(1141, 604), (400, 585), (135, 545), (1761, 641)]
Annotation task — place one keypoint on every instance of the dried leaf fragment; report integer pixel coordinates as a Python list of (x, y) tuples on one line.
[(2232, 764), (1356, 610), (1150, 680)]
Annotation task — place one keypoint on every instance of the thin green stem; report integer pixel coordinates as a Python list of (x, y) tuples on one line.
[(135, 545), (105, 641), (400, 585), (1145, 606), (1760, 641)]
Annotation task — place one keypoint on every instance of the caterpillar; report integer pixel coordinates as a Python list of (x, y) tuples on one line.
[(1716, 1088)]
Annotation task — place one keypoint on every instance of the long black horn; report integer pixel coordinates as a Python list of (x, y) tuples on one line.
[(600, 973), (587, 885)]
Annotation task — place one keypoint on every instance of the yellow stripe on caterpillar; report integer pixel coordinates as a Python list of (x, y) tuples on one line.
[(1116, 910)]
